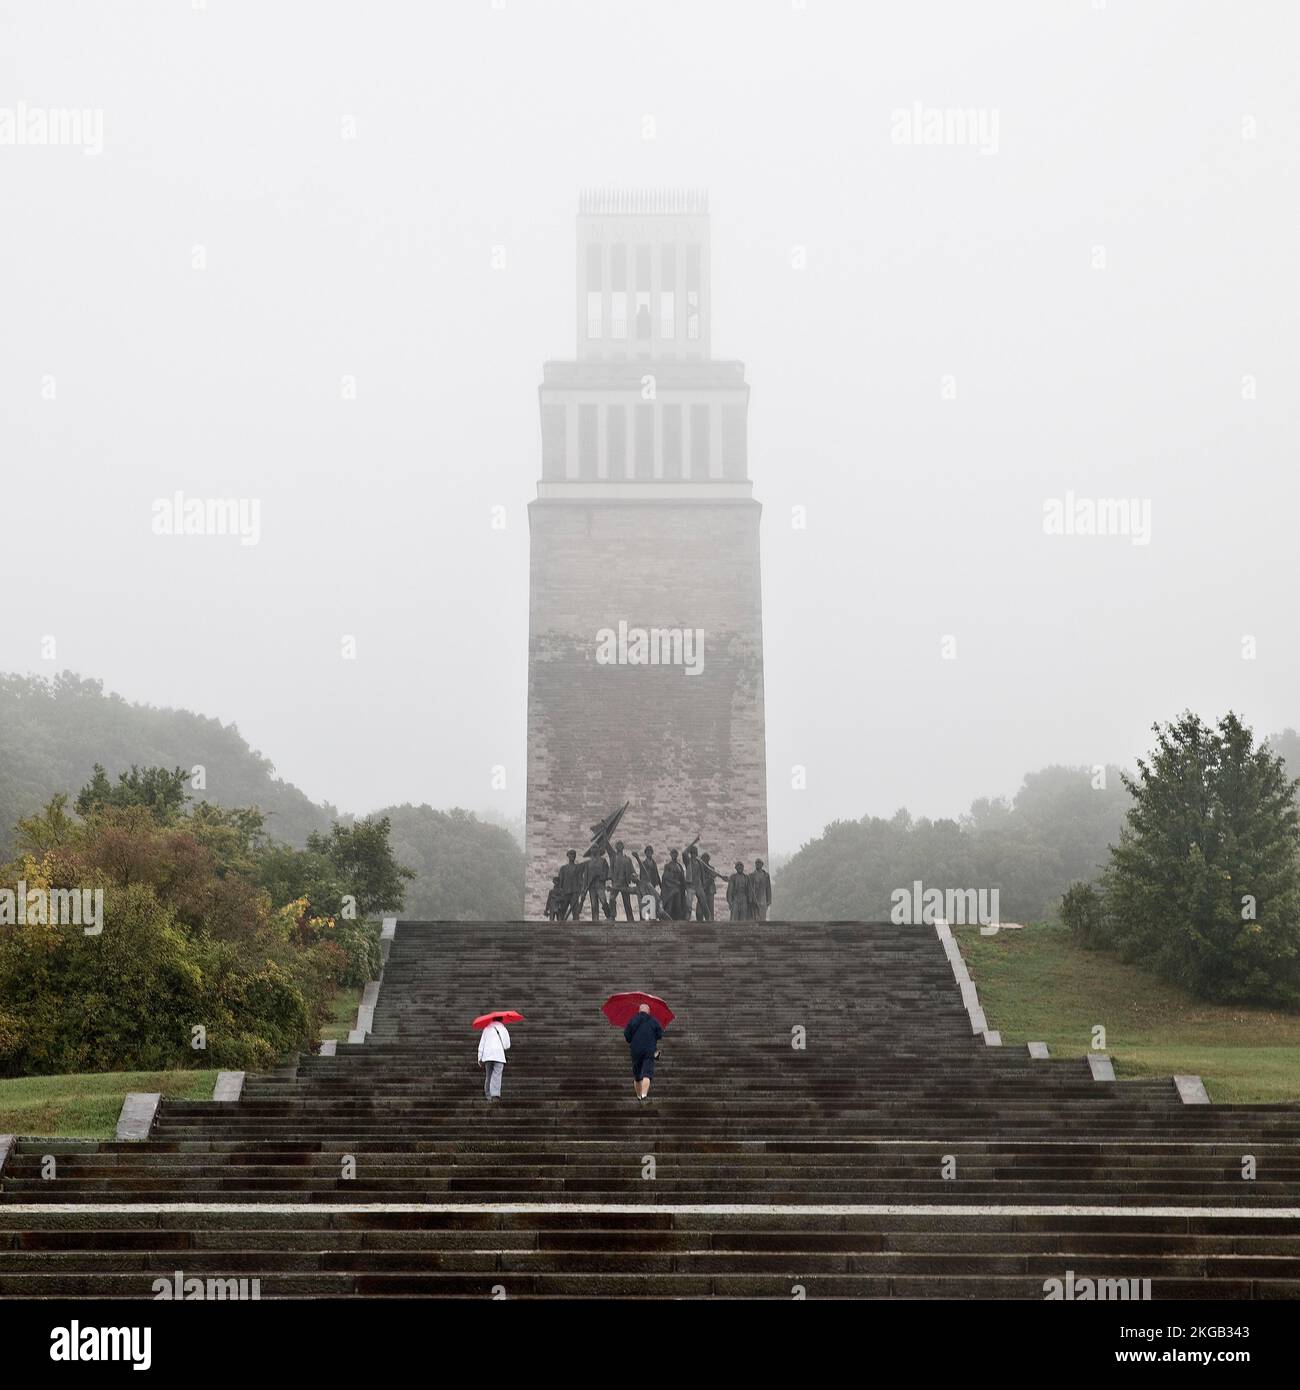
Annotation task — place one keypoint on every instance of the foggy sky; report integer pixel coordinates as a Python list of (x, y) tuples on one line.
[(1165, 133)]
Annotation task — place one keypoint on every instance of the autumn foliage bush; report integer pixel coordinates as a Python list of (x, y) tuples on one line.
[(196, 964)]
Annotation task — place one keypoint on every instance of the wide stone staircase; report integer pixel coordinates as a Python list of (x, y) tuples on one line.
[(823, 1120)]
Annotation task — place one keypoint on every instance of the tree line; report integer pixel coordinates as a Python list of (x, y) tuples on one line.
[(1189, 868), (1056, 829), (53, 730)]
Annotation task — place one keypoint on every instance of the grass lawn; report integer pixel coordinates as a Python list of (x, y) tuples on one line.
[(1036, 985), (86, 1105)]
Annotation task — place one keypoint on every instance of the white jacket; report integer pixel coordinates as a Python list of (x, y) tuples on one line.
[(493, 1042)]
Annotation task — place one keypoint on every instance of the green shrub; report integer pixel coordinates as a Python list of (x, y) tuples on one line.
[(363, 959), (1083, 911), (211, 952), (130, 998)]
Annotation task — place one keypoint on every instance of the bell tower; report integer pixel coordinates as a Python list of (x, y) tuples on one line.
[(643, 265), (645, 623)]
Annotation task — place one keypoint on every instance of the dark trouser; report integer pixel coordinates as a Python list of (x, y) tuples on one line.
[(572, 907), (598, 901), (706, 902), (626, 895), (672, 904)]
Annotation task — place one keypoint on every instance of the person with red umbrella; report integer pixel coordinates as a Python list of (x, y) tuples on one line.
[(644, 1018), (493, 1044)]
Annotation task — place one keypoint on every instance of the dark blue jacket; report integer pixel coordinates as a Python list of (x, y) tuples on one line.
[(643, 1034)]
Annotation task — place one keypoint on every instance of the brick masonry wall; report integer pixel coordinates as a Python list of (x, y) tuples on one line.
[(687, 751)]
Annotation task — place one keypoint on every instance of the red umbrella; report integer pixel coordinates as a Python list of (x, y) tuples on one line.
[(501, 1016), (618, 1008)]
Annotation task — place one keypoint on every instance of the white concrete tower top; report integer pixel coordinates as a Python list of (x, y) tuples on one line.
[(643, 275), (643, 411)]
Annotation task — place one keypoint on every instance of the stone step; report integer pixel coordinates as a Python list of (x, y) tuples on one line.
[(634, 1286), (891, 1077)]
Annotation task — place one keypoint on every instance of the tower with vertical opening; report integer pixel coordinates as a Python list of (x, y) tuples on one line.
[(645, 658)]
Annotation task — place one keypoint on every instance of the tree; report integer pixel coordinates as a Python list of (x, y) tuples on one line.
[(1083, 912), (47, 830), (163, 792), (361, 857), (305, 876), (1287, 746), (1204, 885), (466, 870)]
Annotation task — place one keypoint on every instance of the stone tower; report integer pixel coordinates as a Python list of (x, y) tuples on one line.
[(645, 641)]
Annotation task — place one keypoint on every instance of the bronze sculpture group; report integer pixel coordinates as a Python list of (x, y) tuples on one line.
[(687, 883)]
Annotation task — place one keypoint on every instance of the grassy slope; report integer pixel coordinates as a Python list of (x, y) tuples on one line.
[(87, 1105), (1038, 985)]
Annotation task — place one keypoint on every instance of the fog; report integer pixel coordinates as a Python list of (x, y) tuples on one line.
[(318, 253)]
